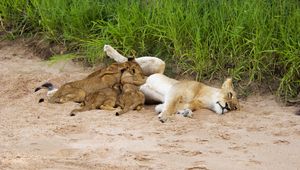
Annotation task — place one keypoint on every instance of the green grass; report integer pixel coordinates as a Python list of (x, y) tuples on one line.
[(251, 40)]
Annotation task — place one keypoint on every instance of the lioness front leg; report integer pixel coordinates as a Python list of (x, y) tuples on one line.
[(170, 108), (186, 109)]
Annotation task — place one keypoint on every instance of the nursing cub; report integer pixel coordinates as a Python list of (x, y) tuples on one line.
[(131, 98), (105, 78), (104, 99), (124, 94)]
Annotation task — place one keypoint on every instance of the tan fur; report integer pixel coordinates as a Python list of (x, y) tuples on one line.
[(194, 95), (150, 65), (131, 98), (104, 78)]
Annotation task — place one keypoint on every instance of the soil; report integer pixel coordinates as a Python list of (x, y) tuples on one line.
[(262, 135)]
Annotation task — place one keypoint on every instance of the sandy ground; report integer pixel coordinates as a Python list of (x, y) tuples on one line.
[(262, 135)]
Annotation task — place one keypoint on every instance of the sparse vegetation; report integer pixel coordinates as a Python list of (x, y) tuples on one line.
[(250, 40)]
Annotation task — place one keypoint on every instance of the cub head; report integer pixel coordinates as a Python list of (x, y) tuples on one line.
[(133, 74), (228, 98)]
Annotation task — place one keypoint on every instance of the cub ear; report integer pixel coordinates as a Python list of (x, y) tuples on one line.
[(123, 70), (227, 85), (229, 95)]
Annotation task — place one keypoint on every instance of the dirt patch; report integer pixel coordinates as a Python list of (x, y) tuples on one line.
[(262, 135)]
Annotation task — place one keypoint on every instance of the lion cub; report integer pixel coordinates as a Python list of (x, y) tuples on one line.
[(105, 78), (104, 99), (131, 98)]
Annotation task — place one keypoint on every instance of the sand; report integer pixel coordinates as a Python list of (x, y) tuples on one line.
[(262, 135)]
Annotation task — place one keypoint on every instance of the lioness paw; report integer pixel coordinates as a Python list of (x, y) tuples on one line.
[(162, 118), (186, 113)]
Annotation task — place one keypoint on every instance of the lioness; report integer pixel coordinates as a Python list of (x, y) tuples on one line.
[(105, 78), (178, 96)]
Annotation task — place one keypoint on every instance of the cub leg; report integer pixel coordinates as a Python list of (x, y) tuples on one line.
[(124, 110), (137, 106), (109, 104), (82, 109)]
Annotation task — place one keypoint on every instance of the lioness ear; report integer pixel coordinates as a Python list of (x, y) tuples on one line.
[(227, 85)]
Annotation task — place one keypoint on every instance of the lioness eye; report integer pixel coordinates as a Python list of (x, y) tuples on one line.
[(133, 71)]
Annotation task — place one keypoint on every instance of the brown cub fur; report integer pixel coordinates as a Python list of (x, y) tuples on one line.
[(104, 78), (104, 99), (131, 98)]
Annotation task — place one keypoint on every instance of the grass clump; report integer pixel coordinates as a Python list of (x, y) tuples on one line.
[(250, 40)]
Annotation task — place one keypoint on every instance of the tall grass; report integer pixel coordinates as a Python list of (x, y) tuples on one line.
[(250, 40)]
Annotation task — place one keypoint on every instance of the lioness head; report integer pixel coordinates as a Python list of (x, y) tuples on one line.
[(228, 98)]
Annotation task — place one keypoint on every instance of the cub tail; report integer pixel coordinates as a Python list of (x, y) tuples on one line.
[(49, 86)]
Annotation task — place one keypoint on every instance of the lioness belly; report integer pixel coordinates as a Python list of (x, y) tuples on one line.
[(156, 87)]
